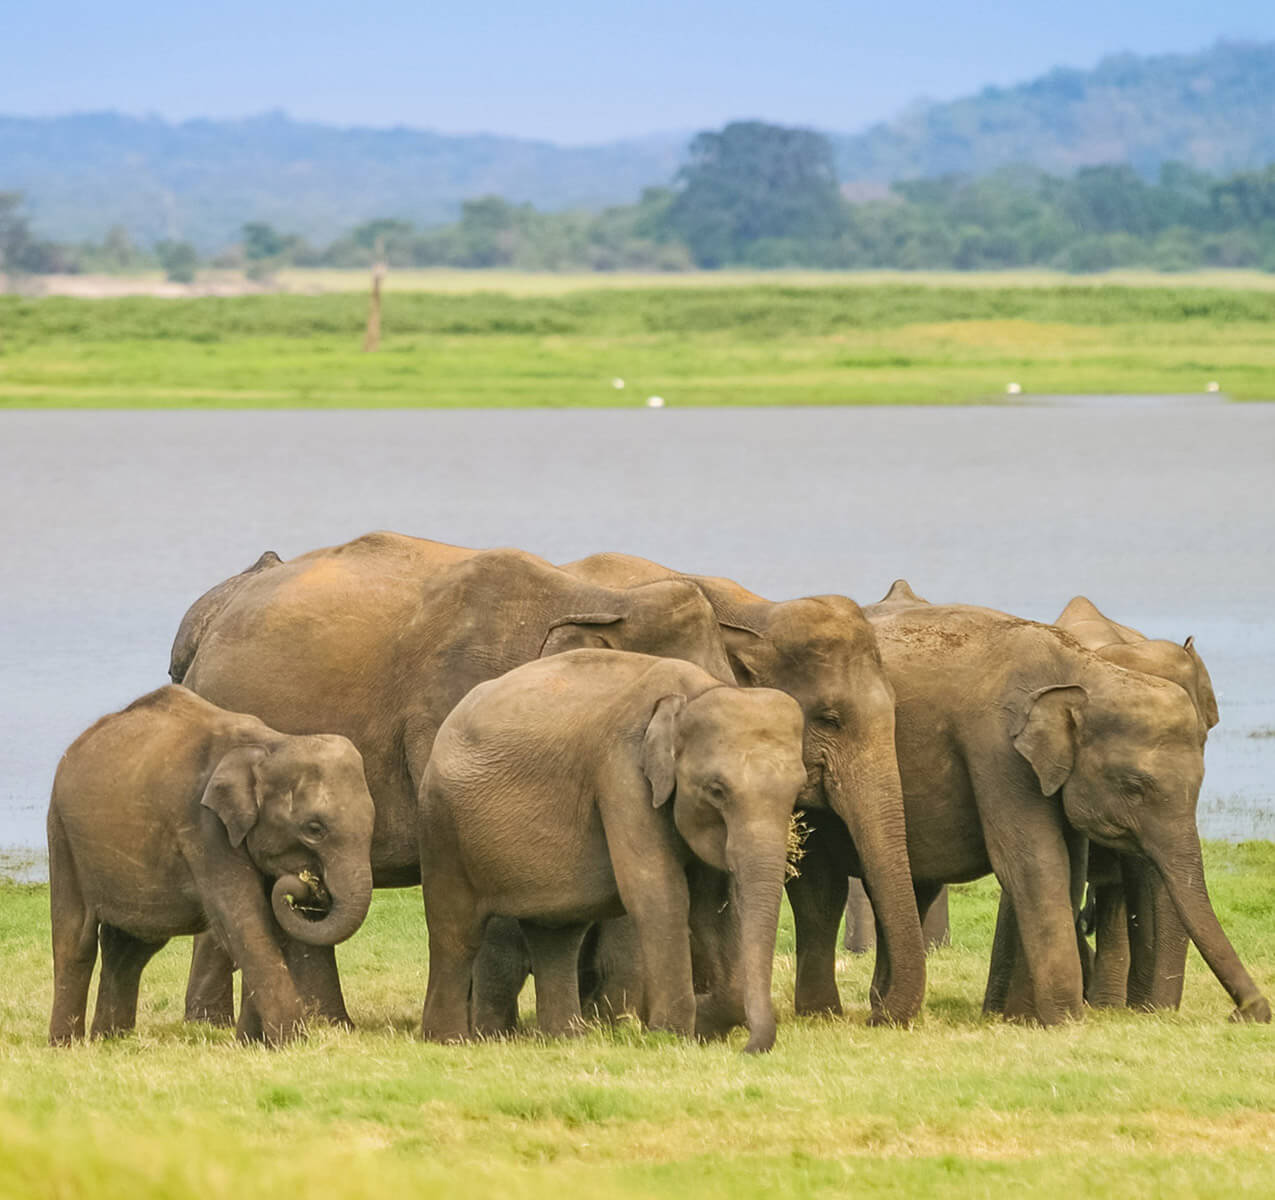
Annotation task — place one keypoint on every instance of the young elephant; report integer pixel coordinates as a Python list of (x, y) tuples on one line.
[(174, 816), (547, 799)]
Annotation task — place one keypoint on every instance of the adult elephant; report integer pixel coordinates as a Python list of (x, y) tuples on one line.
[(378, 639), (1016, 744), (1141, 944), (822, 652)]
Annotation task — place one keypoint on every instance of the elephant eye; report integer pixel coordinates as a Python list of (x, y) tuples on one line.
[(1134, 787), (315, 829), (829, 718)]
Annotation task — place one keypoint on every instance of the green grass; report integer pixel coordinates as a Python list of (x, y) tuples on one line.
[(1120, 1105), (741, 344)]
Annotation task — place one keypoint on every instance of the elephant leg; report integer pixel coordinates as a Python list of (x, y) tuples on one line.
[(654, 893), (611, 971), (455, 937), (926, 894), (861, 924), (1005, 953), (715, 954), (1158, 941), (861, 927), (75, 933), (123, 958), (1009, 983), (1109, 982), (936, 926), (500, 971), (210, 986), (314, 971), (1031, 857), (250, 1027), (818, 898), (555, 967)]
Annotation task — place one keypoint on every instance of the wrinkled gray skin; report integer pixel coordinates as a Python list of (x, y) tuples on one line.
[(581, 786), (378, 639), (172, 817), (821, 651), (1015, 745), (1141, 950)]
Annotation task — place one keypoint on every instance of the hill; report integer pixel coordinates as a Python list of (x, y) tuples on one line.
[(200, 180), (1214, 110)]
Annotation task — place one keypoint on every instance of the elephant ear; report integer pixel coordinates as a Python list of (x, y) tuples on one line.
[(1050, 732), (1205, 696), (571, 633), (234, 791), (659, 761), (746, 650)]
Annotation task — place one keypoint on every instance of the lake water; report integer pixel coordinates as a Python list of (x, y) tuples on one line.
[(113, 522)]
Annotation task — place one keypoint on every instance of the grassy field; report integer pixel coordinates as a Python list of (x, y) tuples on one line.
[(940, 341), (1120, 1105)]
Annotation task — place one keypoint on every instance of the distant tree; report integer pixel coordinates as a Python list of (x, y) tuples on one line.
[(178, 259), (14, 235), (755, 182), (21, 253), (262, 241)]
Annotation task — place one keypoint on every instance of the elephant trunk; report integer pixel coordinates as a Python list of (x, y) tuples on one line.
[(757, 872), (869, 799), (1181, 865), (351, 896)]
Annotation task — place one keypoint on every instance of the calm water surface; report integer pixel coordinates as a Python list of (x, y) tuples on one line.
[(114, 522)]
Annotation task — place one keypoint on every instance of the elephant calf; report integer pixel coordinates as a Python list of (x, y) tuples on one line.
[(171, 817), (547, 799)]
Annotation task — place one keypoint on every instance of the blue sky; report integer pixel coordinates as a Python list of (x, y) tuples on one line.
[(569, 70)]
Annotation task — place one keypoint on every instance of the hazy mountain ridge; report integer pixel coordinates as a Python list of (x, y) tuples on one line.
[(201, 179), (1214, 110)]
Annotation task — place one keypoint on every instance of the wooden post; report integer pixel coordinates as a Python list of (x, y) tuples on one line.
[(372, 339), (861, 931)]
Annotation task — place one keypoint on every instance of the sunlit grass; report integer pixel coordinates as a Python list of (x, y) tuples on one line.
[(1120, 1105), (754, 345)]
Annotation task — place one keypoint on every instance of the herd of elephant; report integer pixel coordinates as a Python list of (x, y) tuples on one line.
[(593, 771)]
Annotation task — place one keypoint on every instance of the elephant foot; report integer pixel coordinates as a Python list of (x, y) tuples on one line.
[(714, 1019), (817, 1006), (879, 1018), (1256, 1009)]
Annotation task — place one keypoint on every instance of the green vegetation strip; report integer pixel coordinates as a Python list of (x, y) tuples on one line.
[(770, 345), (1120, 1105)]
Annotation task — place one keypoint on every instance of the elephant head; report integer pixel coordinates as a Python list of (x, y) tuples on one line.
[(1125, 751), (1126, 647), (731, 761), (301, 810), (822, 652), (670, 618)]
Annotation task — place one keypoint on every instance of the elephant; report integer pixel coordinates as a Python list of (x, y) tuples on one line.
[(174, 816), (205, 610), (1017, 746), (821, 651), (581, 786), (378, 639), (1140, 957)]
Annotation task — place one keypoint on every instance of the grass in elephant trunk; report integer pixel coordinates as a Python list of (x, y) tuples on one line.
[(1164, 1105)]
